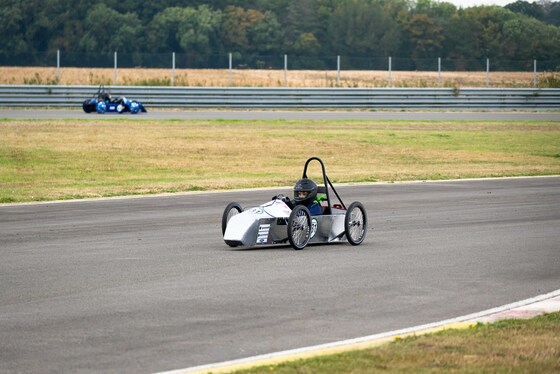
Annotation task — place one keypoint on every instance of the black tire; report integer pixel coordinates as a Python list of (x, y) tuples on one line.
[(299, 227), (355, 223), (231, 210), (87, 107)]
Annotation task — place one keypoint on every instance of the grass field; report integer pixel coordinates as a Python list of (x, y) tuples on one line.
[(509, 346), (273, 78), (65, 159)]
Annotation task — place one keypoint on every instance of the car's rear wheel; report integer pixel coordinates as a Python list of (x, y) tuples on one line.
[(231, 210), (87, 106), (355, 223), (299, 227)]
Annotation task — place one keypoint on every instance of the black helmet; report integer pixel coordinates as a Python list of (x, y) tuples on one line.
[(305, 191)]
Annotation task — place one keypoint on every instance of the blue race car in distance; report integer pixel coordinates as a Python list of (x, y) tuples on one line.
[(102, 103)]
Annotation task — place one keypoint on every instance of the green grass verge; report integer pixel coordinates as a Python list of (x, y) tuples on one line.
[(66, 159), (508, 346)]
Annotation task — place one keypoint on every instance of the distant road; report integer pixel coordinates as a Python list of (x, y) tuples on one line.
[(248, 115)]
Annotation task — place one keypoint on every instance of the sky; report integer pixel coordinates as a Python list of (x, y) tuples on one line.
[(469, 3)]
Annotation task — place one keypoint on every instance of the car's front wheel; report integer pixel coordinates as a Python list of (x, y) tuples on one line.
[(299, 227), (101, 107)]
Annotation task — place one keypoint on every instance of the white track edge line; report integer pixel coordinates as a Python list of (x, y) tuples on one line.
[(286, 353)]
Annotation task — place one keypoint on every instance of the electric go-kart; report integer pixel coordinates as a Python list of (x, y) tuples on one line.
[(103, 103), (275, 222)]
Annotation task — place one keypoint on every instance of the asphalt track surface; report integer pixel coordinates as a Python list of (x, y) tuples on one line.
[(146, 284), (247, 115)]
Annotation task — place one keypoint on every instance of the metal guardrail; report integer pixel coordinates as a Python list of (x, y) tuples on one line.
[(234, 97)]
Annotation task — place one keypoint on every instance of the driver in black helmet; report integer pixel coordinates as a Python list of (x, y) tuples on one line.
[(305, 193)]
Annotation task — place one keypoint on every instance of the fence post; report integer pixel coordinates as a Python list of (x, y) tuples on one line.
[(58, 65), (390, 71), (487, 72), (115, 73), (338, 70), (439, 71), (173, 69), (285, 70), (230, 67), (534, 73)]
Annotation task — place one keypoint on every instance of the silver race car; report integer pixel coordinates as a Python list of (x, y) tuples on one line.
[(281, 221)]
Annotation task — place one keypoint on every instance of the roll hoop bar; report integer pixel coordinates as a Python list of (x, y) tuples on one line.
[(326, 182)]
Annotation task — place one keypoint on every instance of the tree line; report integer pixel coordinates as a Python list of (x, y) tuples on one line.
[(361, 28)]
